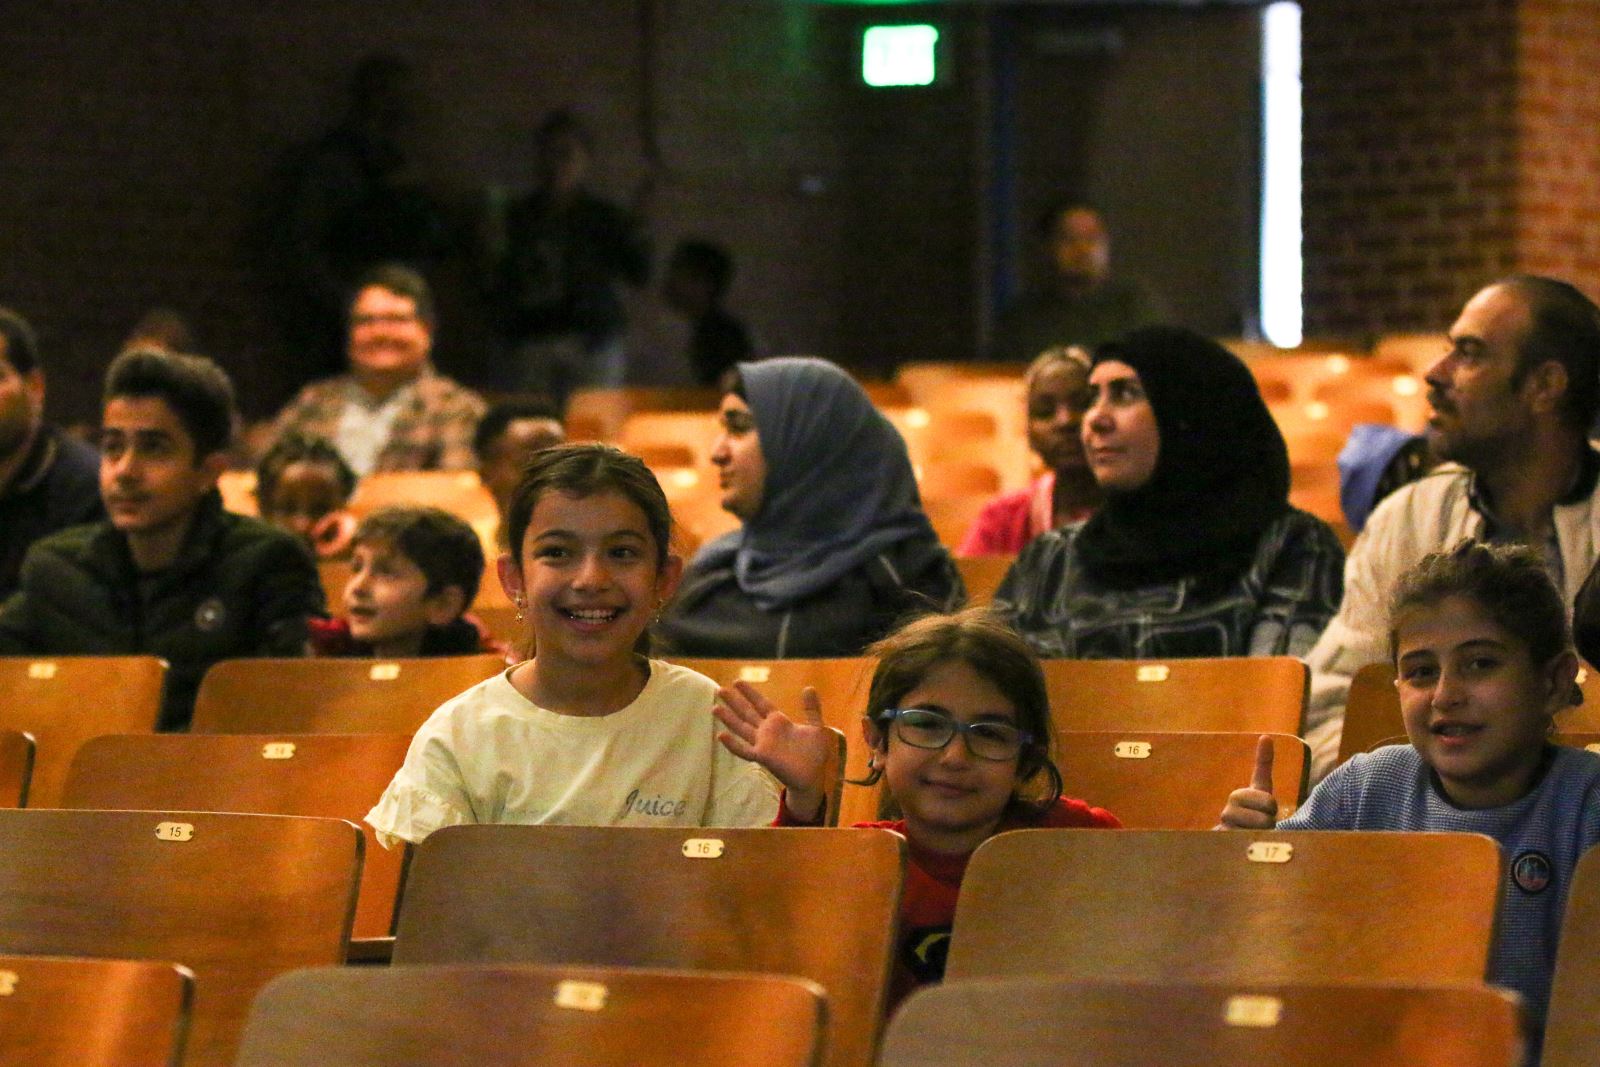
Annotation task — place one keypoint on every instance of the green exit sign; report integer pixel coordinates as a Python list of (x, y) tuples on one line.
[(898, 55)]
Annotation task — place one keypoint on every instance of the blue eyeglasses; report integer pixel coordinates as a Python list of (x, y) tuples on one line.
[(931, 728)]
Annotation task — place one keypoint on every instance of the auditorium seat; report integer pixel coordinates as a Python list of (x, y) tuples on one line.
[(1229, 906), (818, 904), (1174, 781), (79, 1012), (982, 575), (1254, 694), (1572, 1027), (338, 776), (1048, 1022), (237, 899), (457, 1016), (458, 492), (598, 414), (65, 700), (16, 767), (332, 696)]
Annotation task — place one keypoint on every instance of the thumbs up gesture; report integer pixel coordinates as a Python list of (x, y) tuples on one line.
[(1253, 808)]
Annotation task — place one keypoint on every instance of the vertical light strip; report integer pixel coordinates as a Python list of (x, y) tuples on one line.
[(1281, 266)]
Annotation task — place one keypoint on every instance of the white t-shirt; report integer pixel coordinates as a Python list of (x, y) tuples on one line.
[(492, 756)]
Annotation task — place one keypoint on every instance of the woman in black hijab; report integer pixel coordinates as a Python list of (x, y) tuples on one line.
[(1196, 551)]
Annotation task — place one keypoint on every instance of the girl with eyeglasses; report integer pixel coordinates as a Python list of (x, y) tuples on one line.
[(959, 725)]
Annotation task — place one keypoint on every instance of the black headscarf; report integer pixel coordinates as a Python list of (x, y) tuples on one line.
[(1221, 476)]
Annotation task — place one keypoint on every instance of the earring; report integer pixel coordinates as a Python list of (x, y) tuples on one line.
[(517, 600)]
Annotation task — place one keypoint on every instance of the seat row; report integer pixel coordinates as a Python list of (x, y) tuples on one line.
[(238, 900)]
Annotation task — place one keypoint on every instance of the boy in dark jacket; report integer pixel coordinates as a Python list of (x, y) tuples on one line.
[(169, 573)]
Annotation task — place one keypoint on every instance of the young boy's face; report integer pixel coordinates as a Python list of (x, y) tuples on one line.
[(387, 601), (1476, 707), (150, 477)]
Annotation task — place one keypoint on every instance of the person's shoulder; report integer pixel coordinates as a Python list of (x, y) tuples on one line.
[(1071, 813), (73, 542), (445, 387), (1438, 488), (673, 681), (1379, 767), (248, 533), (1579, 768)]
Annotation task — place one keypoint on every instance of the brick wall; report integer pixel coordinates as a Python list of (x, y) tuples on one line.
[(1410, 118), (1446, 142), (1558, 155)]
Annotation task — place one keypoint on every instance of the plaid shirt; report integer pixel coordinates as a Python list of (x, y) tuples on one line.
[(433, 430), (1276, 608)]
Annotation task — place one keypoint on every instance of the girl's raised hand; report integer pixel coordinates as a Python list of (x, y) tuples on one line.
[(796, 753), (1254, 807)]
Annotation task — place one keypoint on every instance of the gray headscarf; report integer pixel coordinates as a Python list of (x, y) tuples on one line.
[(839, 486)]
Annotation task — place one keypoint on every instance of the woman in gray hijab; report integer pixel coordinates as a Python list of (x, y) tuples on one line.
[(834, 549)]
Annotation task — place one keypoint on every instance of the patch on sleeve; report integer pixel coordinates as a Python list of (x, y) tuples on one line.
[(1531, 871)]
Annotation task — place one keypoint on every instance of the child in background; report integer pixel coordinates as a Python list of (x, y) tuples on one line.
[(1484, 661), (941, 676), (1057, 384), (413, 574), (507, 436), (302, 484), (590, 731)]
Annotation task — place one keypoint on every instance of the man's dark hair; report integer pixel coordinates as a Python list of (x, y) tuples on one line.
[(497, 418), (402, 281), (196, 389), (1564, 327), (444, 548), (22, 347), (707, 260)]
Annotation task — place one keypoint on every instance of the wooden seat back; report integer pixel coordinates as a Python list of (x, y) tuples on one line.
[(841, 684), (71, 1011), (533, 1016), (237, 899), (458, 492), (65, 700), (1236, 906), (1572, 1026), (1045, 1022), (982, 575), (820, 904), (1255, 694), (1174, 781), (16, 767), (332, 696), (336, 776)]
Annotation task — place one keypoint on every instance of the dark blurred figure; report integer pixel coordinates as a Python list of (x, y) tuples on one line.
[(164, 328), (554, 283), (698, 276), (508, 434), (1080, 302), (48, 480), (341, 205)]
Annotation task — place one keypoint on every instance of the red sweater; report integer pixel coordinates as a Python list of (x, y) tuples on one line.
[(933, 882)]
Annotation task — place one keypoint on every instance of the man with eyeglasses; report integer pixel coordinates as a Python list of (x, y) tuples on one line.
[(392, 412)]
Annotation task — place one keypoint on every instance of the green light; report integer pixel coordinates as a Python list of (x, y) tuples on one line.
[(898, 55)]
